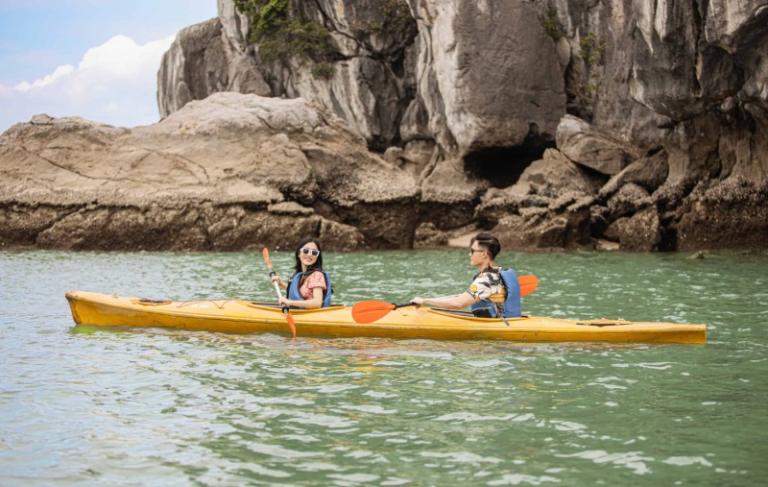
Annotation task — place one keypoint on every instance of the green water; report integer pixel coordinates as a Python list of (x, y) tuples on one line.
[(84, 406)]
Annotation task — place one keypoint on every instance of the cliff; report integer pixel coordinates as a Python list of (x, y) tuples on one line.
[(555, 124), (477, 99)]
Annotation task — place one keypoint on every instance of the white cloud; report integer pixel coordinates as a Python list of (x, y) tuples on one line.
[(39, 83), (113, 83)]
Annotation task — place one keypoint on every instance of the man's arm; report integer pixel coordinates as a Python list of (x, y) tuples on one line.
[(451, 302)]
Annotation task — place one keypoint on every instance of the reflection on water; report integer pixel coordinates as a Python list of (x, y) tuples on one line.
[(159, 407)]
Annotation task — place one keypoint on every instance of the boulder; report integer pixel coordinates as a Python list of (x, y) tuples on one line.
[(639, 232), (648, 172), (541, 229), (555, 174), (448, 195), (728, 214), (428, 236), (627, 200), (592, 147), (226, 172)]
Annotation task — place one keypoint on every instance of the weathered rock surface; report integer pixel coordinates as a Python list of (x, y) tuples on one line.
[(474, 95), (639, 232), (593, 148), (557, 123), (204, 59), (218, 174), (685, 83), (730, 214)]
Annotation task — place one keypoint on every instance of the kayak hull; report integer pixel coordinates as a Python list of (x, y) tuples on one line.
[(239, 316)]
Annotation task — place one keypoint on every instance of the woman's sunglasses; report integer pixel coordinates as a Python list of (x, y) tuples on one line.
[(307, 251)]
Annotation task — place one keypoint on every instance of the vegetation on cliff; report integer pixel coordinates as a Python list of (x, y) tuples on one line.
[(281, 34)]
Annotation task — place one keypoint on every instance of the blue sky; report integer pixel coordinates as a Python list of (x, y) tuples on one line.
[(104, 53)]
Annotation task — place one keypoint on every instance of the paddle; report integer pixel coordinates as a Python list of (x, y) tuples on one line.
[(528, 284), (286, 311), (370, 311)]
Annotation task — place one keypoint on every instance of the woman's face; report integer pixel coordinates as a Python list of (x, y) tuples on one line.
[(308, 254)]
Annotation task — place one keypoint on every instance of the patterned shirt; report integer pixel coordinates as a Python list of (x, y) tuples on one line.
[(316, 279), (488, 285)]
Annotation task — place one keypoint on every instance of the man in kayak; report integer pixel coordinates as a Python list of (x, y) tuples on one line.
[(494, 292)]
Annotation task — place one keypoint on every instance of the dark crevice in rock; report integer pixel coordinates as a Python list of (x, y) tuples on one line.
[(502, 166), (668, 240), (698, 27)]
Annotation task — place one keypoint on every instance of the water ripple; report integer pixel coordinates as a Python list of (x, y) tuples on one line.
[(164, 407)]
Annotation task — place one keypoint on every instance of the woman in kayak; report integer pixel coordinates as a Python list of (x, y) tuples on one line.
[(310, 286), (494, 291)]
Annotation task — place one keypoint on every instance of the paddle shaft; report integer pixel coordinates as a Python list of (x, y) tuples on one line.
[(272, 273), (277, 290)]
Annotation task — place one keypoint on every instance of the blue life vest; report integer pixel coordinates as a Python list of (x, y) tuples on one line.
[(511, 307), (293, 288)]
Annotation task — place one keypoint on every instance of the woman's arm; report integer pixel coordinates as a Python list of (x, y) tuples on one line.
[(451, 302)]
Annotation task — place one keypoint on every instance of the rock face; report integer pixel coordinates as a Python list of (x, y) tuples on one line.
[(556, 124), (230, 172), (472, 93), (204, 60)]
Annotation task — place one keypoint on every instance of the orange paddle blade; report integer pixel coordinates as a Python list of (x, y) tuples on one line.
[(265, 255), (291, 325), (528, 284), (370, 311)]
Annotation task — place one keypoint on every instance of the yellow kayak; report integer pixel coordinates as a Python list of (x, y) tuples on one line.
[(239, 316)]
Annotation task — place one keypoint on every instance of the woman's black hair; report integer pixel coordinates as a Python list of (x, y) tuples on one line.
[(488, 242), (318, 265)]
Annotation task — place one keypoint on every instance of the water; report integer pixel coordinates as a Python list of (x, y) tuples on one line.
[(91, 406)]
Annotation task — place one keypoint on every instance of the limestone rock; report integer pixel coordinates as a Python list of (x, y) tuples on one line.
[(429, 236), (627, 200), (289, 208), (556, 174), (203, 60), (542, 230), (448, 196), (367, 85), (593, 148), (253, 160), (474, 95), (649, 172), (639, 232), (729, 214)]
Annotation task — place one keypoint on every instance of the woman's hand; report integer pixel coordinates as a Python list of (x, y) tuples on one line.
[(284, 301), (417, 301)]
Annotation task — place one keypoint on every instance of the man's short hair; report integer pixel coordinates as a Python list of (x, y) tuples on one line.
[(487, 242)]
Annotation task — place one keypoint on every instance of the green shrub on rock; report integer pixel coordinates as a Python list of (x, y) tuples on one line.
[(281, 35)]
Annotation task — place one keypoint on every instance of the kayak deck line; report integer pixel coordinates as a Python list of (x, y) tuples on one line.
[(241, 316)]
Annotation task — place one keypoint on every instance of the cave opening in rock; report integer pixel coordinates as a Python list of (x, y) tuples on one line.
[(502, 166)]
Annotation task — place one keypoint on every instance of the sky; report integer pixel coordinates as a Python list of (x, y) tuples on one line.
[(96, 59)]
